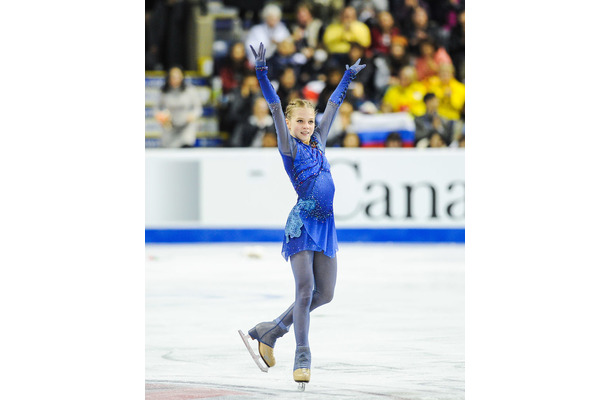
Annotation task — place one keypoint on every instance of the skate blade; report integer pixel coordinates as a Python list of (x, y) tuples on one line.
[(301, 386), (256, 357)]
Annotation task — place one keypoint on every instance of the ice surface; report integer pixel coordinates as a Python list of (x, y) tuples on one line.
[(394, 330)]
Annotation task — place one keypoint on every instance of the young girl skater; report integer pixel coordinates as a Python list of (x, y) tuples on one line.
[(310, 239)]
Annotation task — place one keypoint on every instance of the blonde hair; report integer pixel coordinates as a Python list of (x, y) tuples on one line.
[(298, 103)]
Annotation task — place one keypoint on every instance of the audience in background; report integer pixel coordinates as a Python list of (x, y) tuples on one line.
[(270, 32), (432, 121), (285, 57), (431, 56), (456, 45), (269, 139), (403, 14), (393, 140), (383, 33), (339, 35), (238, 103), (250, 132), (420, 29), (407, 95), (288, 88), (450, 91), (341, 126), (388, 66), (436, 140), (351, 139), (315, 68), (367, 75), (357, 97), (460, 141), (233, 68), (178, 110), (332, 81), (411, 48), (307, 31)]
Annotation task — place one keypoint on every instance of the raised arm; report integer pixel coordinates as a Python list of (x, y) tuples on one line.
[(335, 100), (284, 143)]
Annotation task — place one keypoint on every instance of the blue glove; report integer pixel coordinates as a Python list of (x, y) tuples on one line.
[(339, 94), (354, 69), (261, 74), (260, 57)]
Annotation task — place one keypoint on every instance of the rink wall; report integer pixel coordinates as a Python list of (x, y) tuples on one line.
[(244, 195)]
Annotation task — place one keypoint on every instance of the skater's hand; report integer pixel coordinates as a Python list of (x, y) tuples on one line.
[(260, 57), (355, 68)]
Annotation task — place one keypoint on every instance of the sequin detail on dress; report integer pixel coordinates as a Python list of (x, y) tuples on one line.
[(294, 223), (310, 227)]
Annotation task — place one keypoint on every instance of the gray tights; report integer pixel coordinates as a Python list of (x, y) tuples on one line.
[(315, 275)]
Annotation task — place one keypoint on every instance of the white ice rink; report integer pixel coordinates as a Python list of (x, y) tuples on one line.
[(394, 330)]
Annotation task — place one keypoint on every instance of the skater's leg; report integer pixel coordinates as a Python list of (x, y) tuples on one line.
[(312, 270), (302, 268), (325, 278), (325, 275)]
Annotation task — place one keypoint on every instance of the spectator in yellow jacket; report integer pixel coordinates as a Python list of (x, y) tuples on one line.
[(407, 96), (450, 91), (338, 36)]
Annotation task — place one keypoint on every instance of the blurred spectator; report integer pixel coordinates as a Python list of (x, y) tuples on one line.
[(399, 56), (288, 89), (351, 139), (315, 68), (432, 121), (431, 56), (234, 67), (403, 15), (269, 139), (367, 75), (308, 30), (238, 103), (393, 140), (250, 132), (177, 111), (460, 141), (387, 67), (367, 10), (422, 29), (382, 33), (168, 38), (407, 96), (285, 57), (457, 46), (270, 32), (339, 35), (357, 97), (436, 140), (332, 81), (326, 10), (450, 91), (340, 126)]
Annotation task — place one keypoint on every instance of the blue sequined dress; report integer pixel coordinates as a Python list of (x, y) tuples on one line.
[(311, 223)]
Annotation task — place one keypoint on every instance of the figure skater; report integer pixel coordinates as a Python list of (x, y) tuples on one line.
[(310, 239)]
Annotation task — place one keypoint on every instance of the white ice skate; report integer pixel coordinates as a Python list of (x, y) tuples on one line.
[(256, 357)]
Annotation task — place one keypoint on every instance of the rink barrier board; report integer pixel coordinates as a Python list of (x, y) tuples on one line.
[(410, 235)]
